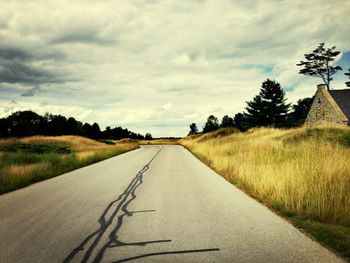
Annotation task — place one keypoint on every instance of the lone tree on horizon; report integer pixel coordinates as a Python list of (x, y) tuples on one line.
[(348, 74), (269, 108), (148, 136), (318, 62), (193, 129)]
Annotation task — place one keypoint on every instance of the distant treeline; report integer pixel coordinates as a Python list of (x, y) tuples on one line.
[(28, 123), (267, 109)]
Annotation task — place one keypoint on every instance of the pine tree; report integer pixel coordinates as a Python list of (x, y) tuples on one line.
[(269, 108), (255, 112), (318, 63)]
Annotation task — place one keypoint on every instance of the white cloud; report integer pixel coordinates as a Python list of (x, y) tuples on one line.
[(157, 66), (182, 59), (168, 106)]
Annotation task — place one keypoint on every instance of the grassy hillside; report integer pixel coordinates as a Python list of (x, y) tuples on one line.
[(31, 159), (301, 173)]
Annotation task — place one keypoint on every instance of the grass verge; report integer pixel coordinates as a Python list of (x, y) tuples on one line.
[(335, 237), (302, 174), (32, 159)]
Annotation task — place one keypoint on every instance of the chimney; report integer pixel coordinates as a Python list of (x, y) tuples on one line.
[(321, 86)]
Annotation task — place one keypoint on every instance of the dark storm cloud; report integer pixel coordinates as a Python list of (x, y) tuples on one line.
[(84, 36), (16, 66), (31, 92), (13, 53), (17, 72), (18, 54)]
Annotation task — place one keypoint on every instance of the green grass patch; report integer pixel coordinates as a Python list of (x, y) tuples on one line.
[(109, 142), (36, 148), (19, 158), (22, 164)]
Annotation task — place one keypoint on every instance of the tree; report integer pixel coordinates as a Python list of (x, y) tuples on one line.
[(226, 122), (148, 136), (24, 123), (193, 129), (73, 127), (212, 124), (269, 108), (92, 131), (240, 121), (300, 111), (95, 131), (255, 115), (348, 74), (56, 124), (107, 133), (318, 63), (4, 132)]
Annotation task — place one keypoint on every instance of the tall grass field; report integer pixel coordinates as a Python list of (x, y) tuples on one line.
[(301, 173), (32, 159)]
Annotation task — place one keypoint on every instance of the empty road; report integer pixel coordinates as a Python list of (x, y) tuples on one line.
[(154, 204)]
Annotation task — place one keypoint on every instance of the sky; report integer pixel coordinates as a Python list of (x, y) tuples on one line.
[(158, 65)]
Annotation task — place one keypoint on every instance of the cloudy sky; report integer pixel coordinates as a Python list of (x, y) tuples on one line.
[(158, 65)]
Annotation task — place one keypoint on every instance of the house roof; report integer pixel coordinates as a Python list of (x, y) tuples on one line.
[(342, 98)]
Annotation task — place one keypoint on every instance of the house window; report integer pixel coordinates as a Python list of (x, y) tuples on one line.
[(319, 101)]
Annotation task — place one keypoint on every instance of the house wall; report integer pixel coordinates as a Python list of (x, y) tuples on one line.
[(324, 110)]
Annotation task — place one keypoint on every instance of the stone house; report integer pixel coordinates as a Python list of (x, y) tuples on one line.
[(329, 106)]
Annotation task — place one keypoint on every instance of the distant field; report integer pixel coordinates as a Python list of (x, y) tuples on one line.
[(32, 159), (301, 173), (159, 141)]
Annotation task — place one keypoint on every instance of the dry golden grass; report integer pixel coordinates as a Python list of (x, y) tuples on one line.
[(85, 154), (81, 145), (68, 140), (19, 168), (298, 171), (5, 142), (25, 170), (158, 141)]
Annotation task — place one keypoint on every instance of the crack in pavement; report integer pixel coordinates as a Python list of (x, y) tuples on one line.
[(121, 205), (105, 222)]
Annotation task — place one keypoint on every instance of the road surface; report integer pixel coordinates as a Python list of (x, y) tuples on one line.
[(154, 204)]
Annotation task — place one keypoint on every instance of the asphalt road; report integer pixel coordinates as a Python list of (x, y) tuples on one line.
[(154, 204)]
